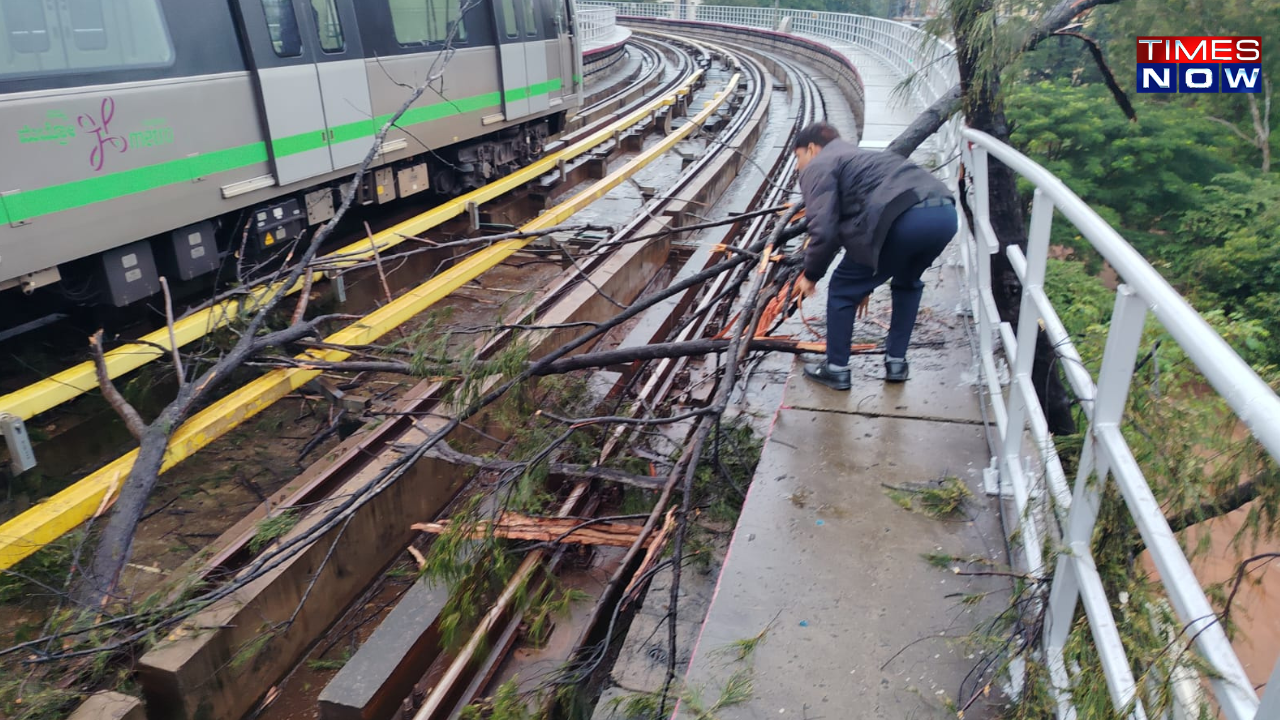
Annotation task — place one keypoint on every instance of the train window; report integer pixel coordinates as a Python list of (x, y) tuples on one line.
[(88, 26), (82, 36), (509, 18), (282, 24), (25, 25), (419, 22), (530, 23), (328, 25), (553, 19)]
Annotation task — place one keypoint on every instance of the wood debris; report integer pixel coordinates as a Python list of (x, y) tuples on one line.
[(570, 531)]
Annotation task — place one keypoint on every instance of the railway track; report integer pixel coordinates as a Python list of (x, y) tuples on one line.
[(23, 534), (618, 109), (356, 473), (454, 681), (363, 470), (57, 518)]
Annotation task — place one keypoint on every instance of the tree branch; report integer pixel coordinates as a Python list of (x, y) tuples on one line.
[(932, 118), (926, 123), (1059, 17), (443, 451), (173, 342), (1107, 76), (1241, 571), (1236, 498), (132, 419), (294, 332), (604, 358), (1233, 128)]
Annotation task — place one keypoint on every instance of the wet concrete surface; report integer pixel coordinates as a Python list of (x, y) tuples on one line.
[(828, 568)]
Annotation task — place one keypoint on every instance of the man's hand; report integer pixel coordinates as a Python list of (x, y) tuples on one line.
[(804, 288), (861, 311)]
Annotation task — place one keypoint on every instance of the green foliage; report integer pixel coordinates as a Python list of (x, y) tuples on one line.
[(1187, 442), (1127, 20), (637, 706), (745, 648), (21, 699), (940, 499), (474, 569), (250, 649), (725, 470), (322, 664), (1084, 304), (539, 617), (876, 8), (42, 572), (427, 345), (272, 528), (737, 690), (1144, 174), (506, 704)]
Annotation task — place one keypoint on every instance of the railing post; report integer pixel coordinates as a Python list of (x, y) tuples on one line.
[(1114, 379), (1028, 324)]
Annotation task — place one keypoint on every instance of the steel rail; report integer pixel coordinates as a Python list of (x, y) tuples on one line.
[(46, 522)]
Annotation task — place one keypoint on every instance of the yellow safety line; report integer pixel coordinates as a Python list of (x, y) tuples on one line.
[(47, 521), (79, 379)]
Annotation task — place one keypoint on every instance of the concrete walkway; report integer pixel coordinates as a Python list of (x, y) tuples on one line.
[(824, 565)]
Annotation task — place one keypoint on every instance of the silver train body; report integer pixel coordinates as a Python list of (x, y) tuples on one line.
[(140, 138)]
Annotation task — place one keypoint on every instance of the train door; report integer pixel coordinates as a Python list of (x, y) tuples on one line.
[(561, 66), (312, 82), (570, 50), (523, 54), (535, 56)]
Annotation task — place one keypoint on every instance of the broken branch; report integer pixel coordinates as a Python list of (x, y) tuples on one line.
[(513, 526), (132, 419), (443, 451)]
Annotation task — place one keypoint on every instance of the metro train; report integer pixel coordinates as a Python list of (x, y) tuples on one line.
[(145, 138)]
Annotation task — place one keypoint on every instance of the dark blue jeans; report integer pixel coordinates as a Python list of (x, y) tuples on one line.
[(914, 242)]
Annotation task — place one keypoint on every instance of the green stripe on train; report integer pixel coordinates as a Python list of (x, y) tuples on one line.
[(34, 203), (56, 198)]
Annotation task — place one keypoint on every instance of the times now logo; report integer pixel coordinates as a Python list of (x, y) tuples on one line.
[(1200, 64)]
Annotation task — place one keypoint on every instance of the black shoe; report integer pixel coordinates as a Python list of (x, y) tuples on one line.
[(895, 371), (834, 379)]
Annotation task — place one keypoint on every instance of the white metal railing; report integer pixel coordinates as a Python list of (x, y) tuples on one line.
[(1072, 511), (908, 51), (1049, 505), (595, 23)]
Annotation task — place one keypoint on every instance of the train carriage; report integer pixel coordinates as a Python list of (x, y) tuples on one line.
[(138, 138)]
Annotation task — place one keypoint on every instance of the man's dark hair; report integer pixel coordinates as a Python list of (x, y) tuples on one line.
[(819, 133)]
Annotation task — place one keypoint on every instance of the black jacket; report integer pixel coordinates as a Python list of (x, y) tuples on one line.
[(852, 197)]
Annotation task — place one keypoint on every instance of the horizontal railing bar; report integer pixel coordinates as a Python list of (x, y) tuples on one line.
[(1040, 435), (1073, 365)]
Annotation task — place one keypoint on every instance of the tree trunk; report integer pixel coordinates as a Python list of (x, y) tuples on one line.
[(97, 582), (983, 108), (1262, 121)]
